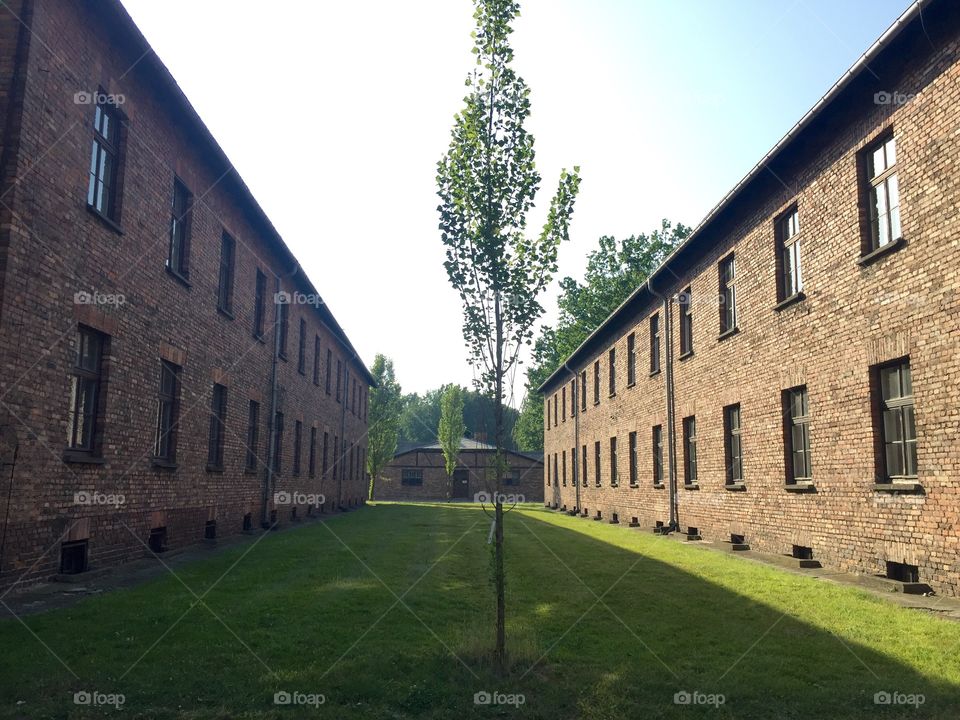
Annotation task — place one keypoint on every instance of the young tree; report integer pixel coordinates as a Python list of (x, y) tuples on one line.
[(383, 418), (487, 182), (451, 428)]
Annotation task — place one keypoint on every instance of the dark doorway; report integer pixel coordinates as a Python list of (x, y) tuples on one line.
[(461, 484)]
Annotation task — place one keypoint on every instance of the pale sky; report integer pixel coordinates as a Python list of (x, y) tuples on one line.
[(335, 114)]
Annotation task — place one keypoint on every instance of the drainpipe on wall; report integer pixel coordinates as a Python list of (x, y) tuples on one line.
[(671, 415), (343, 421), (274, 392), (576, 435)]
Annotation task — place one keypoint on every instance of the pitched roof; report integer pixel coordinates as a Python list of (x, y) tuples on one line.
[(466, 445)]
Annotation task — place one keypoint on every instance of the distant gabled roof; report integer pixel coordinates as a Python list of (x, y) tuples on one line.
[(466, 445)]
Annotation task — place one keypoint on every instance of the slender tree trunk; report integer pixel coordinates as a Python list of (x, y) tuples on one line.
[(501, 651)]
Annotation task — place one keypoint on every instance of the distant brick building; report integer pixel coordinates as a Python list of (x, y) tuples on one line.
[(167, 370), (420, 473), (789, 376)]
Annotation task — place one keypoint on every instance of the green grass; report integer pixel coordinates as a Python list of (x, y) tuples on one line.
[(315, 610)]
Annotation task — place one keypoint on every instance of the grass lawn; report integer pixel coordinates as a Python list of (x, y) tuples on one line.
[(386, 613)]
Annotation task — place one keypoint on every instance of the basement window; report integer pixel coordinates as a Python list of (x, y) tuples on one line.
[(903, 572), (73, 557), (293, 514), (248, 522), (692, 531), (599, 514), (737, 539), (210, 530), (801, 552), (158, 540)]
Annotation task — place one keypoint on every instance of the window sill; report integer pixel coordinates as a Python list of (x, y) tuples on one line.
[(691, 486), (596, 402), (163, 463), (250, 471), (283, 356), (81, 458), (685, 355), (899, 486), (210, 468), (634, 485), (180, 278), (226, 313), (612, 395), (654, 373), (735, 487), (632, 384), (113, 225), (873, 255), (728, 333), (792, 300), (801, 486), (260, 338), (659, 486)]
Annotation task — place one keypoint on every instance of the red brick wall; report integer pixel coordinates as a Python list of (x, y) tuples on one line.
[(854, 316), (58, 248), (437, 485)]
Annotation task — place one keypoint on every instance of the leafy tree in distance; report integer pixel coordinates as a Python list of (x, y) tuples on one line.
[(528, 430), (450, 428), (383, 418), (614, 270), (487, 182), (421, 416)]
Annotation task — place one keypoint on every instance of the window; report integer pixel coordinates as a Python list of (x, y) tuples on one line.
[(165, 445), (658, 455), (253, 434), (302, 348), (796, 414), (728, 295), (353, 403), (563, 459), (336, 457), (548, 470), (324, 458), (556, 472), (882, 193), (555, 411), (563, 413), (284, 309), (686, 322), (351, 454), (613, 462), (612, 380), (584, 463), (787, 232), (85, 385), (897, 425), (102, 189), (583, 391), (547, 415), (339, 373), (329, 366), (218, 420), (596, 382), (259, 305), (633, 459), (631, 359), (316, 360), (733, 451), (297, 445), (654, 343), (596, 463), (228, 250), (411, 477), (573, 397), (690, 450), (573, 465), (277, 441), (178, 260)]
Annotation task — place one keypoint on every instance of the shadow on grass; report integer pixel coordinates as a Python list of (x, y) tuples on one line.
[(386, 613)]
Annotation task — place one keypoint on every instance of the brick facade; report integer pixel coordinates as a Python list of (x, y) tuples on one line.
[(857, 312), (64, 267), (427, 479)]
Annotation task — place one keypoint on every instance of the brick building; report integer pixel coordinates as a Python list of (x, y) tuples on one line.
[(789, 376), (168, 372), (420, 473)]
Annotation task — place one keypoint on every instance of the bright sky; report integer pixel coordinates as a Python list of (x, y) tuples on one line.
[(336, 113)]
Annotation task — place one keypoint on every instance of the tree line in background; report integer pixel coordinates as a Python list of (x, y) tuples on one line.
[(614, 270), (420, 418)]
